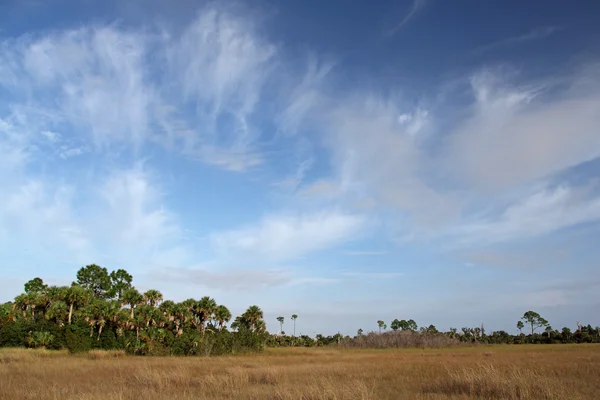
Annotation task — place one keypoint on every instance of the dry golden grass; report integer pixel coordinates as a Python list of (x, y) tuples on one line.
[(488, 372), (102, 354)]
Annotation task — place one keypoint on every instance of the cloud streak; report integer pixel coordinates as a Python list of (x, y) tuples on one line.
[(288, 236), (417, 6), (534, 34)]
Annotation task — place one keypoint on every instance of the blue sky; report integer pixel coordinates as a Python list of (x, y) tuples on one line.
[(346, 162)]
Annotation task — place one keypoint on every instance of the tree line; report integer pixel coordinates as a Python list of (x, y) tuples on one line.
[(103, 310), (406, 333)]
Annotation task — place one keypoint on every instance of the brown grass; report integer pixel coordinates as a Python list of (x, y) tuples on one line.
[(482, 372), (102, 354)]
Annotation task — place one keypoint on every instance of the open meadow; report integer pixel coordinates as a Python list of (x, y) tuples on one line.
[(506, 372)]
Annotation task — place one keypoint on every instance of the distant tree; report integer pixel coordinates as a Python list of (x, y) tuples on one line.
[(94, 278), (294, 318), (520, 326), (280, 319), (381, 324), (120, 280), (395, 325), (36, 285), (535, 320), (360, 332)]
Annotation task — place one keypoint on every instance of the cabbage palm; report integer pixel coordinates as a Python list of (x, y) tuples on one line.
[(222, 316), (132, 298), (153, 297), (57, 312), (75, 296), (294, 318), (21, 303), (253, 314), (203, 310)]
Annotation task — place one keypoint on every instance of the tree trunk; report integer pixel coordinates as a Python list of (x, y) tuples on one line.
[(100, 331), (70, 312), (131, 313)]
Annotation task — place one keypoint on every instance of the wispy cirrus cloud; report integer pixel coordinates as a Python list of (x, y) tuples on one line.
[(417, 5), (539, 214), (282, 237), (534, 34)]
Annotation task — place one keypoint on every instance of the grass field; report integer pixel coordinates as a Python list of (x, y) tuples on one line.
[(506, 372)]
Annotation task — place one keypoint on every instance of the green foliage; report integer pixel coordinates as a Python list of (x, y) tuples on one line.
[(39, 339), (94, 278), (94, 314), (85, 317), (535, 320), (36, 285), (120, 280)]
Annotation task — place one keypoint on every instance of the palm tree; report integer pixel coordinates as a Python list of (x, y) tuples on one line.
[(75, 295), (153, 297), (102, 315), (132, 298), (380, 323), (57, 312), (294, 318), (222, 316), (253, 314), (203, 310), (34, 299), (56, 293), (144, 311), (20, 303), (280, 319), (181, 315)]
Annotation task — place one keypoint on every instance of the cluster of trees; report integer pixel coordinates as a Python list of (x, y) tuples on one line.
[(103, 310), (531, 320), (406, 333)]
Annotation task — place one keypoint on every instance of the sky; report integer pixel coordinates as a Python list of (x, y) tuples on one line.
[(343, 161)]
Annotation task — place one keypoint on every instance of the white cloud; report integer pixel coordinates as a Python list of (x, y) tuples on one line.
[(97, 77), (220, 66), (197, 92), (51, 136), (237, 279), (541, 213), (372, 275), (534, 34), (284, 237), (377, 159), (417, 5), (365, 253), (516, 135), (304, 98)]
